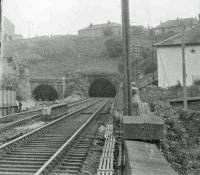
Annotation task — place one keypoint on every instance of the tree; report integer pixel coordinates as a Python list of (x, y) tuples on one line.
[(108, 31), (121, 67), (114, 47), (150, 67), (196, 82), (18, 82)]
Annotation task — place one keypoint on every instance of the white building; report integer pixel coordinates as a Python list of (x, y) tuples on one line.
[(8, 30), (169, 57)]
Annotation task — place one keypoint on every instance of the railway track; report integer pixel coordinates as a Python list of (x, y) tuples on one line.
[(73, 159), (23, 115), (18, 116), (9, 125), (37, 151)]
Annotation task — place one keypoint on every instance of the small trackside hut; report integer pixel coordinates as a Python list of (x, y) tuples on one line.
[(8, 103)]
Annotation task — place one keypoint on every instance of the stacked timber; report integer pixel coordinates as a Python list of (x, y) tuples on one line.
[(7, 102)]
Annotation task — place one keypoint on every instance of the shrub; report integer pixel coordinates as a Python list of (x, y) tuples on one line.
[(121, 67), (150, 67), (108, 31), (196, 82), (114, 47), (176, 86)]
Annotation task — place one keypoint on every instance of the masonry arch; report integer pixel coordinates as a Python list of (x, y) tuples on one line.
[(45, 92), (102, 88)]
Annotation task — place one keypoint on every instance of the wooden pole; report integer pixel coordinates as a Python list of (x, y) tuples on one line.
[(0, 27), (0, 14), (126, 56), (184, 70)]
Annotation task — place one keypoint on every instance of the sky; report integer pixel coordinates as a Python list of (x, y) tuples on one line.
[(61, 17)]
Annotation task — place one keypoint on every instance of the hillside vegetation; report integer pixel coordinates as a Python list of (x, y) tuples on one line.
[(56, 56)]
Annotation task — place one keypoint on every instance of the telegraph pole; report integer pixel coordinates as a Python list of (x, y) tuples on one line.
[(126, 57), (184, 70), (1, 27), (0, 13)]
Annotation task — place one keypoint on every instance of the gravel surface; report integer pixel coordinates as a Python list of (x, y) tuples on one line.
[(91, 163)]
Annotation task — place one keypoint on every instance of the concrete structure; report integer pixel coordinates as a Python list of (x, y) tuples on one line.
[(142, 158), (86, 83), (55, 83), (8, 30), (98, 30), (175, 25), (169, 58), (141, 136), (144, 127)]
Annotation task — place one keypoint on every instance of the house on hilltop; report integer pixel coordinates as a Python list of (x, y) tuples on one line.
[(175, 25), (8, 30), (169, 58), (100, 30)]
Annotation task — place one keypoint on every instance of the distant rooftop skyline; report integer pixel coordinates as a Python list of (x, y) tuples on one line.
[(61, 17)]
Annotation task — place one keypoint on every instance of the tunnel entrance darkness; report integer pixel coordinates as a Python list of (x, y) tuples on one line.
[(102, 88), (45, 92)]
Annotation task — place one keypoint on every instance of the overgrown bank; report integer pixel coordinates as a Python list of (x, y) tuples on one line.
[(181, 145)]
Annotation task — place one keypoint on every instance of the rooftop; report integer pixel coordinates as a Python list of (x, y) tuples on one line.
[(6, 21), (192, 37), (100, 26), (177, 22)]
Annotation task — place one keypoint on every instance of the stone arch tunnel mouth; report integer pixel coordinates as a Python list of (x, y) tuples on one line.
[(102, 88), (45, 92)]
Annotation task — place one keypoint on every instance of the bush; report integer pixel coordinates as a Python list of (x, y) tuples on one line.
[(193, 91), (108, 31), (176, 86), (196, 82), (121, 67), (150, 68), (114, 47)]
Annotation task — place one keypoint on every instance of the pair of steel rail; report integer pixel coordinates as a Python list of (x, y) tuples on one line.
[(39, 151)]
